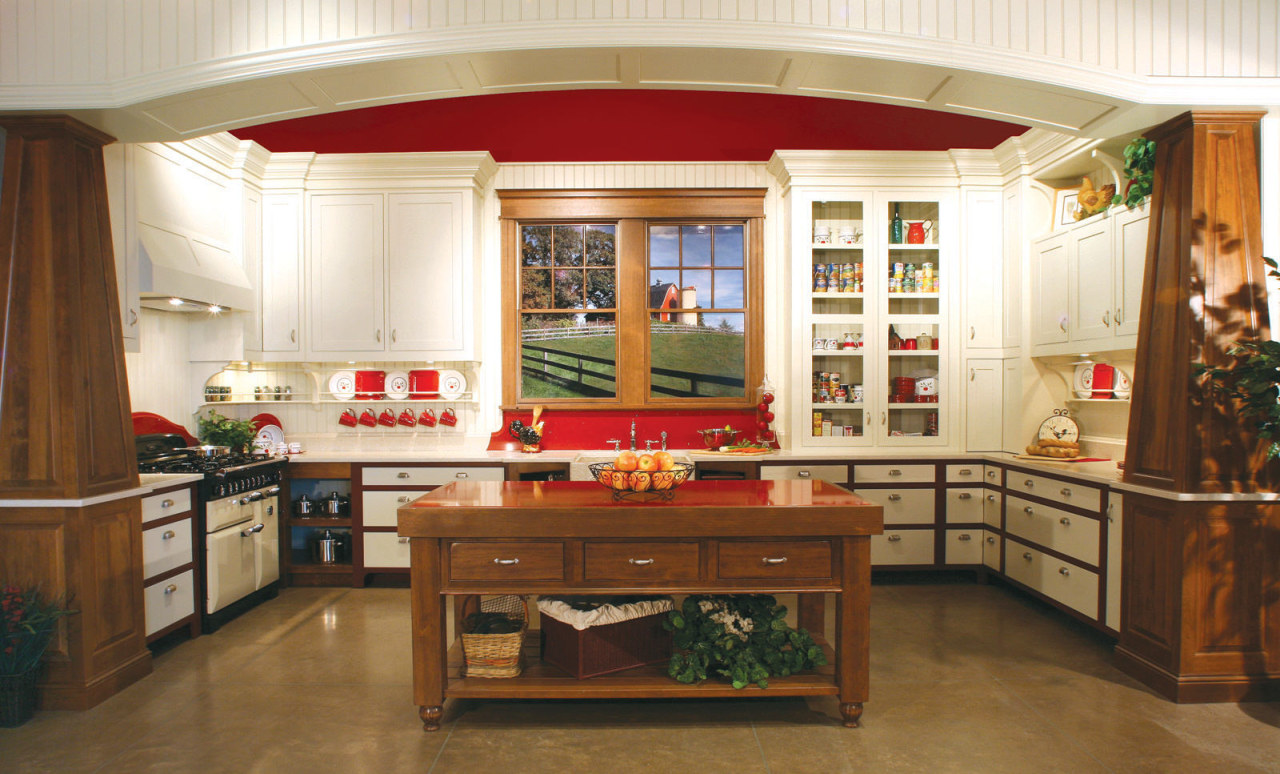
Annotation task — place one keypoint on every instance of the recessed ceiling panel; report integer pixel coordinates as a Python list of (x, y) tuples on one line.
[(854, 77), (208, 111), (1011, 102), (414, 80), (713, 67), (546, 68)]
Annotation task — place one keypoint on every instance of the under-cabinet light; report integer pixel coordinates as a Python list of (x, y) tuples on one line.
[(215, 309), (176, 301)]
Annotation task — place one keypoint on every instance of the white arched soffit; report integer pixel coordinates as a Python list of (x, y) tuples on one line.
[(173, 69)]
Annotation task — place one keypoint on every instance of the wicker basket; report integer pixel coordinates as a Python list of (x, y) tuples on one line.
[(18, 697), (497, 655)]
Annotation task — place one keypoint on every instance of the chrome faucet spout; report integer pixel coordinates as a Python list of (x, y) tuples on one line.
[(633, 435)]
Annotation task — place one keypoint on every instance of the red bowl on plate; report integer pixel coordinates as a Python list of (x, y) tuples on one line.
[(424, 384), (370, 385)]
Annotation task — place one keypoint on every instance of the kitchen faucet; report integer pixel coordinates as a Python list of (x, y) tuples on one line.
[(633, 434)]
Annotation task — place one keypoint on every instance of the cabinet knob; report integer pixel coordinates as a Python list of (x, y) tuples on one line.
[(1030, 484), (895, 472), (894, 538), (168, 534), (884, 417), (1064, 521), (1106, 318), (773, 559), (972, 332), (402, 540), (1063, 571), (991, 474), (1028, 510), (970, 374), (393, 335), (964, 496), (293, 335), (402, 499), (506, 561), (1117, 318), (166, 503), (965, 537), (991, 540), (402, 474), (1065, 491), (461, 474), (171, 588), (1027, 555), (640, 562), (1062, 323), (893, 498), (991, 498)]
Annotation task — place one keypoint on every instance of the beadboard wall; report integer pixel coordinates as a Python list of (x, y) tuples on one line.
[(159, 373)]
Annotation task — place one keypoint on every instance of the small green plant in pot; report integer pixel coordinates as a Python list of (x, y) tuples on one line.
[(27, 622), (217, 430), (740, 638)]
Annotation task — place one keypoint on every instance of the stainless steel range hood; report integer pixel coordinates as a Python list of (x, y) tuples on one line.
[(173, 265)]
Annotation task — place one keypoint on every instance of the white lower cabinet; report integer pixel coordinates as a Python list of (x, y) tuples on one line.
[(1063, 582), (902, 506), (964, 546), (1115, 532), (1062, 531), (833, 474), (902, 546), (992, 507), (386, 549), (380, 507), (964, 506), (169, 601), (168, 559), (992, 546)]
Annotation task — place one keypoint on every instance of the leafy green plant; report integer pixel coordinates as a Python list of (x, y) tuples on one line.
[(1253, 380), (27, 621), (742, 638), (1139, 170), (217, 430)]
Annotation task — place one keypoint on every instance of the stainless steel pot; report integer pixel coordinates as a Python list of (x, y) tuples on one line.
[(334, 505), (327, 548), (304, 506), (208, 451)]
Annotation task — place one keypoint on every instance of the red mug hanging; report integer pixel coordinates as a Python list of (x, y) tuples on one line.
[(427, 418), (387, 418), (407, 418), (347, 418), (368, 418), (447, 417)]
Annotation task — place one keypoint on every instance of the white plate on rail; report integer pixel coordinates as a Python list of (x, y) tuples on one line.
[(1084, 381), (452, 384), (1123, 388), (397, 385), (342, 385)]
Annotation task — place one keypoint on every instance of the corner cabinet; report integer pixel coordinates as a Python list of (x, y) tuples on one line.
[(873, 302)]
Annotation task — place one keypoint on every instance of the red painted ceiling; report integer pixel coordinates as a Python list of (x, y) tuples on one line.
[(629, 125)]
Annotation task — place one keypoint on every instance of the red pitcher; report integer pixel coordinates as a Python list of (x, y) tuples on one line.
[(918, 231)]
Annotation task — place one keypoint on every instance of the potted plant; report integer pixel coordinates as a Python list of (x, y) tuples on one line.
[(217, 430), (741, 638), (27, 621)]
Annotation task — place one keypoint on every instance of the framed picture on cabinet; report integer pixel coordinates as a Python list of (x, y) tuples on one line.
[(1065, 205)]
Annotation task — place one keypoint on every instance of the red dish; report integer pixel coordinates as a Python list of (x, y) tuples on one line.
[(370, 385), (424, 384), (264, 419)]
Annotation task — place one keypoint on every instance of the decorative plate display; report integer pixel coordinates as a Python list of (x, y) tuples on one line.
[(262, 420), (272, 434), (452, 384), (1084, 381), (1123, 388), (397, 385), (342, 385), (1059, 427)]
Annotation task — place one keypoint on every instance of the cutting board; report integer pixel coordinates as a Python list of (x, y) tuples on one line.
[(1038, 458), (719, 453)]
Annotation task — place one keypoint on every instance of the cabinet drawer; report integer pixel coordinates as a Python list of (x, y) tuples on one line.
[(774, 559), (992, 547), (641, 561), (1066, 492), (1054, 528), (379, 508), (964, 546), (166, 547), (966, 474), (992, 507), (902, 506), (964, 505), (166, 504), (892, 474), (834, 474), (1073, 586), (506, 561), (169, 601), (385, 549), (424, 476), (908, 546)]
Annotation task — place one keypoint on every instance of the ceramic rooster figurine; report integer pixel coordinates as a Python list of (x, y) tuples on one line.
[(1090, 202)]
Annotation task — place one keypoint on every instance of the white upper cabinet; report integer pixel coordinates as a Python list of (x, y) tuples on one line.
[(984, 288), (1049, 298), (1131, 246), (1091, 281), (426, 272), (282, 242), (346, 273)]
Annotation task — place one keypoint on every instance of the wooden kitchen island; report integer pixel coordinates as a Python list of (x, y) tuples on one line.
[(487, 537)]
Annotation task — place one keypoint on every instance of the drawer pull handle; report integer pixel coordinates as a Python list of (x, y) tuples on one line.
[(1065, 492), (640, 562), (803, 474), (402, 499), (991, 498), (895, 472), (895, 538), (402, 474), (966, 472), (1030, 484), (168, 534), (1029, 510), (506, 561), (964, 538), (1063, 571), (964, 496), (461, 474), (991, 540), (1027, 556), (1064, 521), (774, 559), (171, 588), (402, 540), (166, 503), (893, 498)]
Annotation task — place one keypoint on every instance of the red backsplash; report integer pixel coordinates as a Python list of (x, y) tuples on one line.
[(578, 429)]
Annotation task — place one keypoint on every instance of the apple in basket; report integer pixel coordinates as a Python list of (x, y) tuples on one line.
[(619, 479), (640, 480), (663, 479)]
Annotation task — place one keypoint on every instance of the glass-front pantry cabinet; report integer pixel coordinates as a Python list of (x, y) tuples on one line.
[(873, 275)]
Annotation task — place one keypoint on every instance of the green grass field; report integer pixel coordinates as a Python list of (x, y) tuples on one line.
[(711, 354)]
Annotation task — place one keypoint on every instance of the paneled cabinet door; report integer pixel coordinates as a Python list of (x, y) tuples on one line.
[(984, 270), (1115, 516), (1091, 281), (117, 158), (346, 273), (1130, 263), (984, 399), (1049, 304), (427, 283), (281, 272)]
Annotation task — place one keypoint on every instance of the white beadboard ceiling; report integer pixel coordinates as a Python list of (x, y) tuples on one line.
[(169, 69)]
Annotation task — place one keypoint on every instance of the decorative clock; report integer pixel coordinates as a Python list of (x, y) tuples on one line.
[(1059, 427)]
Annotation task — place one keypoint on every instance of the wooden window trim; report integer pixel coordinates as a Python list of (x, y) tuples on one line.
[(632, 210)]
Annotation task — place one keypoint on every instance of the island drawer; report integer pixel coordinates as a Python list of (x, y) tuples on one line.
[(379, 507), (169, 601), (1053, 528), (902, 506), (774, 559), (908, 546), (892, 474), (502, 561), (385, 549), (835, 474), (414, 475), (664, 561), (164, 504), (1066, 492), (1073, 586)]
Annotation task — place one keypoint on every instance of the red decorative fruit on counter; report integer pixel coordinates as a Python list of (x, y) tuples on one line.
[(767, 398), (768, 416), (762, 407), (627, 461)]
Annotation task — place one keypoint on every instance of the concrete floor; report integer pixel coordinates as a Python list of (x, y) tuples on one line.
[(964, 678)]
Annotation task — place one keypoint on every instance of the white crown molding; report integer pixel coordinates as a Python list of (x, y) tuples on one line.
[(896, 169), (351, 171)]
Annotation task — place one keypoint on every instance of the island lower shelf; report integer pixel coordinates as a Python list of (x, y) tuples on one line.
[(543, 681)]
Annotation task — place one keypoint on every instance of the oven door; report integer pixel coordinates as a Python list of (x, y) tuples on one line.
[(267, 562), (232, 570)]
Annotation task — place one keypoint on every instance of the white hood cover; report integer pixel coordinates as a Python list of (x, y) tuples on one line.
[(171, 264)]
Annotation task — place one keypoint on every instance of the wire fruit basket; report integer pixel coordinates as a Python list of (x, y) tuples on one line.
[(641, 484)]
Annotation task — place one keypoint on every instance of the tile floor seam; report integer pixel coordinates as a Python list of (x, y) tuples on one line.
[(444, 744), (760, 746), (1053, 728)]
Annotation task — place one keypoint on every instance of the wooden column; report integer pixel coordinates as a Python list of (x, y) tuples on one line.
[(66, 442), (1201, 612)]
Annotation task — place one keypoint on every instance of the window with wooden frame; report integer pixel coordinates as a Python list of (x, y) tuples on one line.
[(632, 298)]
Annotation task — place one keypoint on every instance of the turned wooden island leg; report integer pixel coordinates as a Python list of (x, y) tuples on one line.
[(853, 625), (429, 645)]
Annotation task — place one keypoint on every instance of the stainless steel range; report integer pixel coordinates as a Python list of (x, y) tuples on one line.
[(238, 515)]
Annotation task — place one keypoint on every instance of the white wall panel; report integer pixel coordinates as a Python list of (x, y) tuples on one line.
[(656, 175)]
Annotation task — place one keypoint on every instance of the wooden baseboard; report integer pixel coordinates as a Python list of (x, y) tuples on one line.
[(68, 696), (1197, 689)]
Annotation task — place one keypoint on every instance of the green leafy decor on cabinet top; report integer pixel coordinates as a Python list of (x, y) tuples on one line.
[(1139, 170)]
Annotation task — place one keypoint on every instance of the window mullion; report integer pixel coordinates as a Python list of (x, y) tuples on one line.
[(632, 300)]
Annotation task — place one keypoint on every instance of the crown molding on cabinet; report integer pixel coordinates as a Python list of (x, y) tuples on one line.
[(893, 169), (468, 169)]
